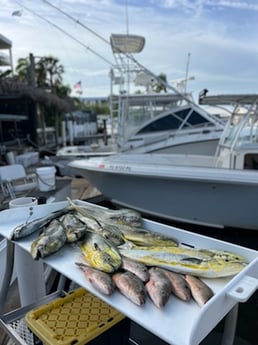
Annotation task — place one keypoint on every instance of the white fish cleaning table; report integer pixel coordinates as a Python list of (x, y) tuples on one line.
[(178, 323)]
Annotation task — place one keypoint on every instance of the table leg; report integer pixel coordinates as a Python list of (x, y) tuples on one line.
[(9, 261), (228, 336), (30, 275)]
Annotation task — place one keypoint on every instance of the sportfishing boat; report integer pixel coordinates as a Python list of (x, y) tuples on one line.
[(147, 114), (166, 123), (218, 190), (153, 123)]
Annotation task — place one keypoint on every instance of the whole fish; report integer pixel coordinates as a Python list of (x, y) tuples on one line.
[(112, 233), (200, 291), (198, 262), (100, 253), (28, 228), (91, 222), (130, 286), (50, 241), (101, 281), (179, 286), (74, 227), (109, 231), (122, 216), (158, 287), (138, 268), (142, 237)]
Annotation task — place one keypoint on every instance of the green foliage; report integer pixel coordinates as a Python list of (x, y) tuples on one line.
[(161, 86)]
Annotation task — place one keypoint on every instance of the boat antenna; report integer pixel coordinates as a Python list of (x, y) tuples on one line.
[(127, 18), (67, 34), (187, 70)]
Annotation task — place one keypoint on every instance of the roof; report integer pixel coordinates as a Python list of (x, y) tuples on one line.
[(11, 117), (5, 43), (10, 89)]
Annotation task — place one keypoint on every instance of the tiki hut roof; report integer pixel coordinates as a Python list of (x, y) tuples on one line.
[(20, 89)]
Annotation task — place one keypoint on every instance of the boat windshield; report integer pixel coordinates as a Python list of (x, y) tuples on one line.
[(242, 130), (170, 111)]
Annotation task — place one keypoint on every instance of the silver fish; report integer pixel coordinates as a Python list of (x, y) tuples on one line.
[(101, 281), (130, 286), (179, 285), (27, 229), (158, 287), (139, 269), (50, 241), (200, 291)]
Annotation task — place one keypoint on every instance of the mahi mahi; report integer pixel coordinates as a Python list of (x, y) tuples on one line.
[(28, 228), (198, 262), (121, 217), (101, 254), (50, 241), (143, 237)]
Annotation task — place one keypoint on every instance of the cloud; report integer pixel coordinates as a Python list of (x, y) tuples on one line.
[(221, 40)]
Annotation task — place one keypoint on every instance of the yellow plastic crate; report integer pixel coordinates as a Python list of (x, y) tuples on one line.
[(74, 319)]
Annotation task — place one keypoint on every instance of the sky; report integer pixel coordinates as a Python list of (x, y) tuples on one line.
[(213, 41)]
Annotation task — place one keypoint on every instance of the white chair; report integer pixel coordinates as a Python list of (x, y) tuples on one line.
[(13, 179)]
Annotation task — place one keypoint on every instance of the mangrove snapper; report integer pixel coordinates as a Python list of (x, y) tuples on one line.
[(200, 291), (101, 281), (158, 287), (130, 286)]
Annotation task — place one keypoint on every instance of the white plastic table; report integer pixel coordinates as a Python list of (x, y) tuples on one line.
[(179, 323)]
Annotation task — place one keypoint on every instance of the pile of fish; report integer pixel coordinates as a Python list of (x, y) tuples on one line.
[(118, 253)]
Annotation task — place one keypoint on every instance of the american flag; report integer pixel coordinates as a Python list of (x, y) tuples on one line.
[(78, 87)]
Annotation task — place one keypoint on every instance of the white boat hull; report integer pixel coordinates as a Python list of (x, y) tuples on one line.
[(206, 196)]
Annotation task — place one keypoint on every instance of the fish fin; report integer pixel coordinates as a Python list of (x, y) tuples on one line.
[(192, 260)]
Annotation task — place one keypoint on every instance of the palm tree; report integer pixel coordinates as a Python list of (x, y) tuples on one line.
[(5, 74), (50, 72), (46, 72), (22, 69)]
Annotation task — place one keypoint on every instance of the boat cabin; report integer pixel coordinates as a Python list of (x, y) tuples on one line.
[(153, 117)]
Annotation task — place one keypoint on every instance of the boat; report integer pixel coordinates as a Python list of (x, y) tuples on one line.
[(147, 114), (219, 190), (166, 123), (152, 123)]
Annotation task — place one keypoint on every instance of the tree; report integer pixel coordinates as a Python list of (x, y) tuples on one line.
[(22, 69), (6, 74), (47, 72), (50, 69), (161, 86)]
